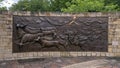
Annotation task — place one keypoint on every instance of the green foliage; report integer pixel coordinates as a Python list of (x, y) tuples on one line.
[(110, 7), (39, 5), (3, 8), (67, 5), (31, 5), (115, 2), (1, 0), (88, 6), (57, 5)]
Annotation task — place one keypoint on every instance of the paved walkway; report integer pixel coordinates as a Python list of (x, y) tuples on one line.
[(64, 62), (100, 63)]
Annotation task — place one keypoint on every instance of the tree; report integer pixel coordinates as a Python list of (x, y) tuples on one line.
[(2, 8), (67, 5), (115, 2), (1, 0), (57, 5), (39, 5), (31, 5), (88, 6)]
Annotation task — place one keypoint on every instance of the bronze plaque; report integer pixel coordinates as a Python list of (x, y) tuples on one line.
[(60, 33)]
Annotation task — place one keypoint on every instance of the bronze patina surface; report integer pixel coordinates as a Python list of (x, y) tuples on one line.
[(60, 33)]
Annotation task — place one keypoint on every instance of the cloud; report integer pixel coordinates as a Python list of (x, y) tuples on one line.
[(8, 3)]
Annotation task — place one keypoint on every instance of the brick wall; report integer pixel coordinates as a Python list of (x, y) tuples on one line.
[(6, 36)]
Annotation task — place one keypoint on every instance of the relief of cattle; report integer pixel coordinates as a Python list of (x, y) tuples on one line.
[(63, 33)]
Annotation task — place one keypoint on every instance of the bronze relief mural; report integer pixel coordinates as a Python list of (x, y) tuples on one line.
[(60, 33)]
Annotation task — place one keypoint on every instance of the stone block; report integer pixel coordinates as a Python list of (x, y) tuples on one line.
[(35, 54), (114, 50), (29, 54), (110, 49), (40, 54), (45, 54), (28, 13), (84, 54), (14, 55), (89, 53), (118, 50), (67, 53), (119, 47), (107, 54), (26, 54), (20, 55), (1, 56), (98, 54), (93, 54), (79, 53), (62, 54), (73, 54), (54, 54), (111, 54), (102, 54), (8, 55), (115, 43), (117, 54)]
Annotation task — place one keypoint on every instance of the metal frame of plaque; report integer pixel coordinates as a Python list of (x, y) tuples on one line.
[(60, 33)]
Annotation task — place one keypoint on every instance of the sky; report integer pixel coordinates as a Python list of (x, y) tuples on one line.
[(8, 3)]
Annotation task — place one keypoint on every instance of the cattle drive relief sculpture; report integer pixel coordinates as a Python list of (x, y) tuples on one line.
[(59, 33)]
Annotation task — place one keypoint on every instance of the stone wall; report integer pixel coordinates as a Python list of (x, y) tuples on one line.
[(6, 36)]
